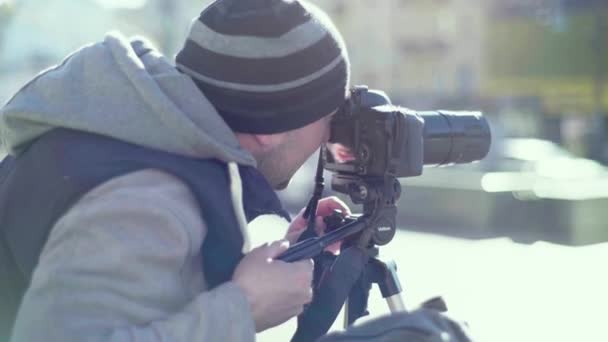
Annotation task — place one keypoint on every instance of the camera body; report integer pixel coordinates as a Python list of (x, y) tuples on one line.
[(370, 137)]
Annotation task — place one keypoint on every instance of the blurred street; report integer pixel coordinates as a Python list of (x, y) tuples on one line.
[(504, 290)]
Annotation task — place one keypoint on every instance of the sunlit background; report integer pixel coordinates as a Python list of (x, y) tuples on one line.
[(517, 242)]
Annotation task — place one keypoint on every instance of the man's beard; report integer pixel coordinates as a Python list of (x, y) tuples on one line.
[(270, 167), (283, 185)]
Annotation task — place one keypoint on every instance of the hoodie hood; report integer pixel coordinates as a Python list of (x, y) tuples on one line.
[(125, 90)]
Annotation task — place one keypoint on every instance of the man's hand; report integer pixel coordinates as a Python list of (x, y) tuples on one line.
[(325, 207), (276, 290)]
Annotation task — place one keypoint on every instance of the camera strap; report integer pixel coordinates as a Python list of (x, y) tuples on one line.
[(335, 277), (311, 208)]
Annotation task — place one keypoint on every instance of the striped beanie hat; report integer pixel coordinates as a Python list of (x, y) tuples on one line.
[(268, 66)]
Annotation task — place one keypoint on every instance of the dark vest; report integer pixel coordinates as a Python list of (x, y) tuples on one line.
[(40, 185)]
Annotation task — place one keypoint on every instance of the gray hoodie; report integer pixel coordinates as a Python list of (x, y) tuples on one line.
[(124, 90), (124, 262)]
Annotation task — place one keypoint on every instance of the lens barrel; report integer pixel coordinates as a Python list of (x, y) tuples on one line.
[(452, 137)]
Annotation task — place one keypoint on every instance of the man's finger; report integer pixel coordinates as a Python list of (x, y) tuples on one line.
[(276, 248), (320, 225), (329, 204)]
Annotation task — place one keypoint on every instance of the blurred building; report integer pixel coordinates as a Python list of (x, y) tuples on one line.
[(416, 50), (555, 53), (553, 49), (537, 65)]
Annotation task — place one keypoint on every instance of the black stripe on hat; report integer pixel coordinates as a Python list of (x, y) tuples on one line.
[(258, 71), (254, 18), (257, 113), (273, 104), (292, 118)]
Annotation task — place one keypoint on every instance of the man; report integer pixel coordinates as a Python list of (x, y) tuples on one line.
[(131, 180)]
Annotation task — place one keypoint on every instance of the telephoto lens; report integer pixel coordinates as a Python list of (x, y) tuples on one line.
[(454, 137)]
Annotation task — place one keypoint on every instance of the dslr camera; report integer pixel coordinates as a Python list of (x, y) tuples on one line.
[(370, 137), (373, 143)]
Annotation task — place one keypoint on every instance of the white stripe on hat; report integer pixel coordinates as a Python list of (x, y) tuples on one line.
[(267, 88), (297, 39)]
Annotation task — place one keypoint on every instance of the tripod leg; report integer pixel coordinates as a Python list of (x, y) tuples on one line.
[(356, 304), (385, 275), (376, 272), (346, 318), (395, 303)]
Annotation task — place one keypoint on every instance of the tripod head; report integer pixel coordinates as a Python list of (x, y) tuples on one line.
[(376, 226), (379, 196)]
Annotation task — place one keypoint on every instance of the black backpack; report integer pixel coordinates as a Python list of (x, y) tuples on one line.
[(12, 285), (422, 325), (41, 184)]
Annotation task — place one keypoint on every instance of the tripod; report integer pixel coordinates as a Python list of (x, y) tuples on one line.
[(383, 274), (347, 278)]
